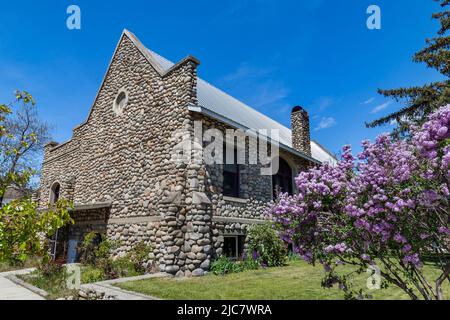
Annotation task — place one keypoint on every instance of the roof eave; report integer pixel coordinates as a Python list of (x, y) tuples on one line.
[(214, 115)]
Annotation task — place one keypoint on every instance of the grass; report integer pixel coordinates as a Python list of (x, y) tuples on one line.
[(54, 284), (297, 281), (29, 263)]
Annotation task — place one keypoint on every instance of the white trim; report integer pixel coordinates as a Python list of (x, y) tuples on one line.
[(235, 199), (239, 220), (90, 206)]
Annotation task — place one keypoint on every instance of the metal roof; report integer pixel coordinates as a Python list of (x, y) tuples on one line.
[(220, 103)]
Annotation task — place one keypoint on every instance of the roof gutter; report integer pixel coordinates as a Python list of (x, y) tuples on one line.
[(234, 124)]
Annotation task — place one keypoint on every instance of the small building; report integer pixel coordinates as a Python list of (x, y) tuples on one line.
[(118, 168)]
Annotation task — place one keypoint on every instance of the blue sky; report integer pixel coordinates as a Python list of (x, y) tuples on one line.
[(270, 54)]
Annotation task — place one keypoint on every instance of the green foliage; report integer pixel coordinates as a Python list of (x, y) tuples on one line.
[(21, 135), (266, 245), (51, 268), (293, 257), (30, 262), (23, 228), (249, 264), (124, 267), (50, 277), (91, 274), (96, 252), (139, 256), (225, 265), (423, 100)]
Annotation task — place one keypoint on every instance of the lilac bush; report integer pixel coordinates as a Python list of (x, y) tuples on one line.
[(388, 206)]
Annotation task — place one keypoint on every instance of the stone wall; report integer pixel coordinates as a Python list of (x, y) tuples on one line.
[(125, 159)]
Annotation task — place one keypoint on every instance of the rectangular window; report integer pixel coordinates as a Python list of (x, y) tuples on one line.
[(233, 246), (231, 177)]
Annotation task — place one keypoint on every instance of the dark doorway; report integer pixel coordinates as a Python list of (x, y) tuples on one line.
[(282, 181)]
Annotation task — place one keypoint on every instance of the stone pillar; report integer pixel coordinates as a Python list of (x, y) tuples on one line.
[(197, 235), (301, 140)]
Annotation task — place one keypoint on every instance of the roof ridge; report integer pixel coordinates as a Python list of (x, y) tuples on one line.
[(222, 91), (245, 104)]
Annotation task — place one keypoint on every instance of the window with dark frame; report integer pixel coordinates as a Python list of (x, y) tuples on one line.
[(282, 181), (230, 176), (233, 246)]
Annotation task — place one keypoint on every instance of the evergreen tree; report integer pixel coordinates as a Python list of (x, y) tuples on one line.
[(423, 100)]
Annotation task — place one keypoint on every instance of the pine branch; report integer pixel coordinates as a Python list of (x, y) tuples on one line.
[(420, 101)]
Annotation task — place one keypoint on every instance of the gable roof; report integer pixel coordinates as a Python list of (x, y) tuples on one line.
[(219, 104)]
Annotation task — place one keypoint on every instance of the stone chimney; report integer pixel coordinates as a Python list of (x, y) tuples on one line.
[(301, 140)]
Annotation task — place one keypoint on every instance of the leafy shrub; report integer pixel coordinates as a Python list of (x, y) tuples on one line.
[(51, 268), (292, 256), (266, 245), (249, 264), (30, 262), (97, 253), (91, 274), (225, 265), (124, 267), (139, 256), (51, 277), (22, 228)]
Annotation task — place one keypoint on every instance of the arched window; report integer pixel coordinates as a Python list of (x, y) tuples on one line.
[(120, 102), (282, 180), (54, 192)]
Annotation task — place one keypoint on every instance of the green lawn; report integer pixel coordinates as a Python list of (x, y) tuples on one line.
[(297, 281)]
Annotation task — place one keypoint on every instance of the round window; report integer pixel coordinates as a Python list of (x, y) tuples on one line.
[(120, 102)]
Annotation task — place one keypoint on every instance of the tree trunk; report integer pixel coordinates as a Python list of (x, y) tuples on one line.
[(441, 279)]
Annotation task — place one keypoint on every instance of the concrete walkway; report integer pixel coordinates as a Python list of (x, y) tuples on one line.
[(12, 291), (121, 294)]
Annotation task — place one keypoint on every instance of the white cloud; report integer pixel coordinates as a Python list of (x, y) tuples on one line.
[(267, 94), (245, 72), (381, 107), (369, 101), (257, 87), (323, 102), (325, 123)]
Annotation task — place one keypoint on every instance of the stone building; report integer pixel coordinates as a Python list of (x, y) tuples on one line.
[(119, 172)]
